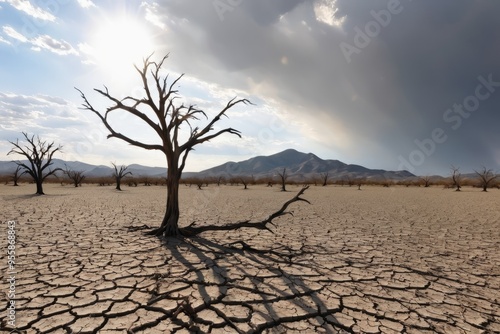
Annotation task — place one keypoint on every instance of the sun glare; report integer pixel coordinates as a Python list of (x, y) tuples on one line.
[(119, 44)]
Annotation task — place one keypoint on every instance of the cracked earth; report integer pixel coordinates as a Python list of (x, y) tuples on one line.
[(380, 260)]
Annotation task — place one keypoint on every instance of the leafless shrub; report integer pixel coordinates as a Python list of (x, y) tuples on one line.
[(426, 181), (76, 176)]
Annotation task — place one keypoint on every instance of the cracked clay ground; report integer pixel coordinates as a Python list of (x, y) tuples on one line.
[(380, 260)]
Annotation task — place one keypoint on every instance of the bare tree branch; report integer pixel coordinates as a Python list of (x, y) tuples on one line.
[(192, 230)]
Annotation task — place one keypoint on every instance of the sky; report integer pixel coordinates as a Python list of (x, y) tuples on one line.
[(392, 84)]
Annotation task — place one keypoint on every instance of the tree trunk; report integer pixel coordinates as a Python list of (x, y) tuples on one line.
[(118, 181), (39, 188), (170, 224), (485, 187)]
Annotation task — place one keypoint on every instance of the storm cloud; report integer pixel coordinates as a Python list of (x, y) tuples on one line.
[(409, 62)]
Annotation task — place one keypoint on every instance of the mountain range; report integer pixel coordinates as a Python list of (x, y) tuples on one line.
[(299, 166)]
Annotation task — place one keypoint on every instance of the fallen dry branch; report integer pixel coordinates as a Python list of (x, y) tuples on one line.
[(193, 230)]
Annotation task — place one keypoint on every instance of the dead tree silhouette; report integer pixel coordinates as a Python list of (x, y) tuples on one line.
[(75, 175), (17, 175), (283, 175), (119, 174), (486, 178), (39, 154), (169, 116), (456, 177)]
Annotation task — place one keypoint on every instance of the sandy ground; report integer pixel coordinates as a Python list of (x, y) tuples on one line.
[(380, 260)]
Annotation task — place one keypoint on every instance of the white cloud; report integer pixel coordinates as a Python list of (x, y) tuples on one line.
[(326, 10), (27, 7), (12, 33), (86, 3), (2, 40), (28, 112), (61, 47), (153, 15), (38, 43)]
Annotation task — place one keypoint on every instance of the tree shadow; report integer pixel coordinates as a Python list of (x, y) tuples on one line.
[(241, 288), (30, 196)]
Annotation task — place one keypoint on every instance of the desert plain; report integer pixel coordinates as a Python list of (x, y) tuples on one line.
[(379, 260)]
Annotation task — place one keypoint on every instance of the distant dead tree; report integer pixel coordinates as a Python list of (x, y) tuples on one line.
[(199, 182), (359, 182), (219, 180), (456, 177), (245, 180), (426, 180), (39, 154), (17, 175), (75, 175), (324, 178), (165, 117), (486, 178), (283, 177), (119, 174)]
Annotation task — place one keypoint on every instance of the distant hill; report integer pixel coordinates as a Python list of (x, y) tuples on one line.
[(7, 167), (300, 166)]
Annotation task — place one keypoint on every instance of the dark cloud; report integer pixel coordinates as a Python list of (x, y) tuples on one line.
[(394, 91)]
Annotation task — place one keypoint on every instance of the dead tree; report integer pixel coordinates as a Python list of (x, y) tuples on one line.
[(219, 180), (486, 178), (75, 175), (324, 177), (119, 174), (456, 177), (426, 180), (17, 175), (39, 154), (167, 118), (359, 183), (283, 177), (245, 180), (199, 183)]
